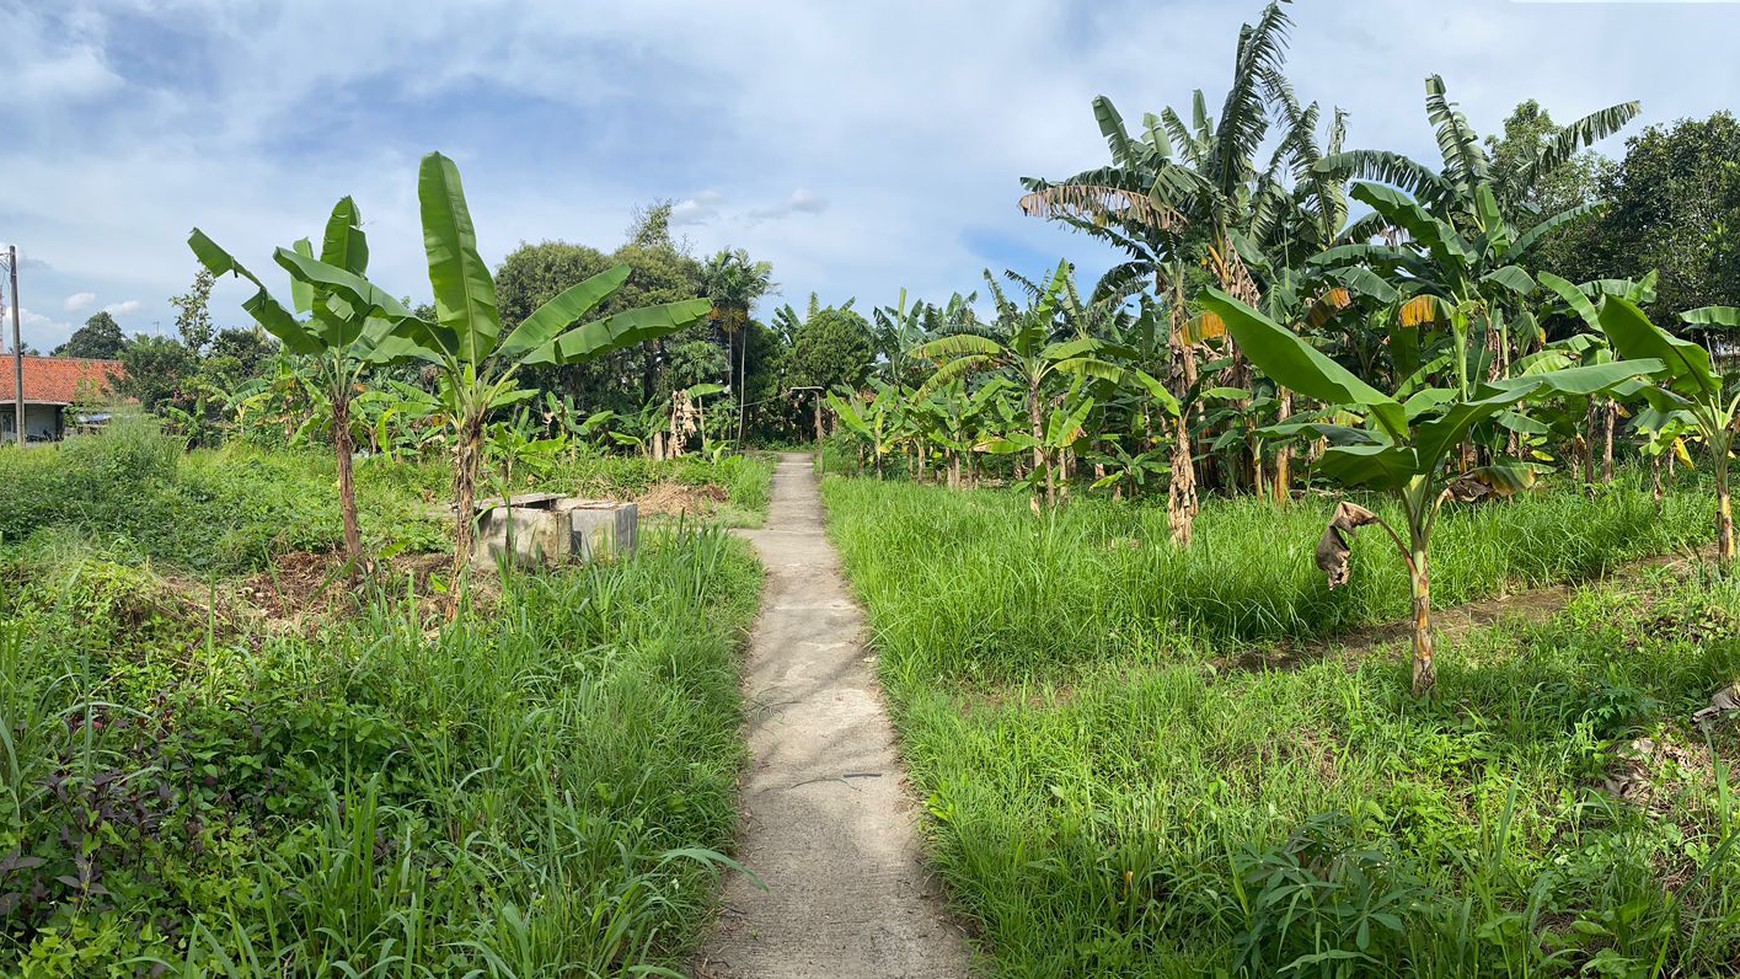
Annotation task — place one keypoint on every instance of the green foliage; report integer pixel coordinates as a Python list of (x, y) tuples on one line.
[(536, 791), (99, 339), (1117, 786), (832, 348), (1674, 197)]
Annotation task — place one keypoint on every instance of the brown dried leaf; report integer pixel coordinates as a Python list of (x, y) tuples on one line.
[(1333, 549)]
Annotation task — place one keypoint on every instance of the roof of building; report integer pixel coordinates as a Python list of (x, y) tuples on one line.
[(60, 380)]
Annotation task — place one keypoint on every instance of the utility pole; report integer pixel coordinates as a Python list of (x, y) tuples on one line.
[(17, 350)]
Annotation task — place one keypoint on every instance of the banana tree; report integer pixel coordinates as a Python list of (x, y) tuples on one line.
[(1687, 391), (340, 336), (873, 420), (1029, 356), (477, 366), (1402, 448)]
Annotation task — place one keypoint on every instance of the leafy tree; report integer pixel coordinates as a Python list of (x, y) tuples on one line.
[(832, 348), (1675, 209), (99, 339), (156, 369), (193, 312), (1575, 183), (735, 284)]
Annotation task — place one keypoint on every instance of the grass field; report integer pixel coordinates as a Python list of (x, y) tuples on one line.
[(1108, 797), (196, 783)]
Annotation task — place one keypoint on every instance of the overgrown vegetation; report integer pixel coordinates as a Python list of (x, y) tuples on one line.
[(192, 780), (1112, 792)]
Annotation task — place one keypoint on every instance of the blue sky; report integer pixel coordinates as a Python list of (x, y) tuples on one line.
[(861, 148)]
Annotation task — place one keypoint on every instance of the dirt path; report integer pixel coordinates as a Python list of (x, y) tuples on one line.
[(828, 822)]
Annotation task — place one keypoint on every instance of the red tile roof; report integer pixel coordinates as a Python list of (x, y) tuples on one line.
[(59, 380)]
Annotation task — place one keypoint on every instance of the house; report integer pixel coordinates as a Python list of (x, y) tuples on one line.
[(51, 385)]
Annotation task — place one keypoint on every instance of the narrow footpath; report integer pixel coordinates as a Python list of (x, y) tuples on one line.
[(829, 824)]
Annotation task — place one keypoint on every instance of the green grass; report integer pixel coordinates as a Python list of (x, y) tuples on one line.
[(198, 782), (1001, 595), (1104, 800), (232, 509), (521, 792)]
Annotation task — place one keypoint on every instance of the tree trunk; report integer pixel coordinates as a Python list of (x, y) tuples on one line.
[(353, 546), (1284, 457), (1181, 493), (954, 470), (466, 472), (1724, 514), (1655, 480), (1612, 412), (1038, 424), (818, 418), (1425, 669)]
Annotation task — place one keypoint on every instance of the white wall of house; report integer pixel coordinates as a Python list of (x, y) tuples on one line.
[(40, 421)]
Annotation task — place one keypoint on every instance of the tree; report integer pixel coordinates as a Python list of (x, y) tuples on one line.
[(1675, 197), (1686, 388), (1027, 353), (477, 360), (99, 339), (339, 336), (193, 312), (155, 370), (735, 284), (1403, 447), (1578, 181), (832, 348)]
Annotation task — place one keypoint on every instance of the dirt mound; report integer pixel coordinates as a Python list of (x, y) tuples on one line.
[(679, 499), (303, 584)]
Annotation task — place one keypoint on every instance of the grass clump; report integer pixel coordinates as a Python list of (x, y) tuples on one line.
[(1106, 799), (531, 792)]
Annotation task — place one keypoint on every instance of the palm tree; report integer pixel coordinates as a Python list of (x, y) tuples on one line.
[(734, 284)]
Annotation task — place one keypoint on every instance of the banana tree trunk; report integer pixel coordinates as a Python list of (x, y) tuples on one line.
[(954, 470), (1038, 423), (1181, 493), (1724, 514), (1611, 411), (1284, 457), (466, 473), (1420, 586), (1655, 480), (353, 546)]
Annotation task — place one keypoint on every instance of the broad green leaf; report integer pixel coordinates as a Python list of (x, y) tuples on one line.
[(465, 302), (1572, 297), (1157, 391), (1511, 277), (958, 345), (1712, 316), (265, 310), (345, 245), (1383, 466), (625, 329), (366, 299), (301, 293), (1634, 336), (1295, 364), (564, 311)]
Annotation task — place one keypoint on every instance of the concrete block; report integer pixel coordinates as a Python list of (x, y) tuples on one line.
[(603, 530), (548, 531)]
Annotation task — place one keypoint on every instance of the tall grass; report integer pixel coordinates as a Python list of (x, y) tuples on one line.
[(535, 791), (1104, 800), (999, 594)]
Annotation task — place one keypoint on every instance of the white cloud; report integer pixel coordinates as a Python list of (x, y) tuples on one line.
[(125, 308), (700, 209), (78, 302), (904, 124)]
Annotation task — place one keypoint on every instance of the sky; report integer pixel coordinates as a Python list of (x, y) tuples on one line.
[(862, 148)]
